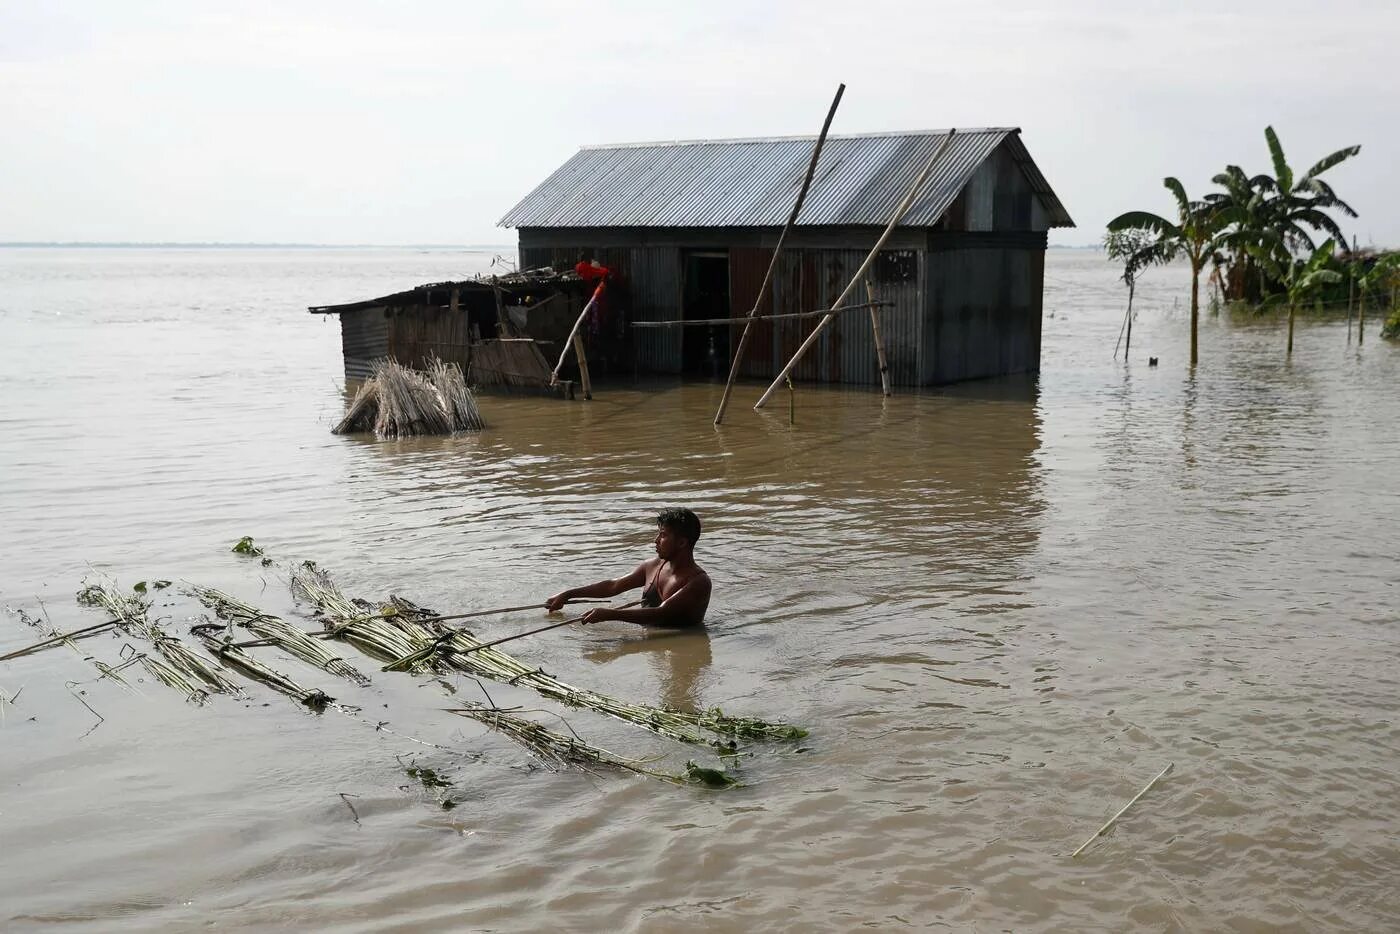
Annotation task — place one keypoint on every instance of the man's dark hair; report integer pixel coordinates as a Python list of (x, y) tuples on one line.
[(681, 521)]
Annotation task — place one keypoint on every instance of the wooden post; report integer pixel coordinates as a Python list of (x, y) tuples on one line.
[(773, 261), (899, 213), (879, 344), (1351, 286), (583, 367)]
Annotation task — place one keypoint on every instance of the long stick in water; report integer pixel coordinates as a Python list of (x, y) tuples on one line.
[(431, 649), (1114, 819), (899, 213), (773, 260), (56, 639), (474, 614)]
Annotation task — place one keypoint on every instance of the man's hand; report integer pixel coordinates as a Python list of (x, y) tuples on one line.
[(599, 614), (554, 603)]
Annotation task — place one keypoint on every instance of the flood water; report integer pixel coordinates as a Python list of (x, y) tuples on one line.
[(1000, 609)]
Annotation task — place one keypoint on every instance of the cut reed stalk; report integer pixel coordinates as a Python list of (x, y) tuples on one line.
[(276, 631), (1123, 810)]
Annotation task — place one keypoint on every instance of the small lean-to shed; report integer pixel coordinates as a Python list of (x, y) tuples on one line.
[(688, 229)]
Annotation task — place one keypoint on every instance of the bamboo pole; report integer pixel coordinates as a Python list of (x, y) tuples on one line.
[(1123, 810), (787, 314), (875, 332), (583, 367), (899, 213), (773, 260), (554, 377), (62, 637)]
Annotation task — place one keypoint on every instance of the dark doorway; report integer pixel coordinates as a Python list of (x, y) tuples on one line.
[(705, 349)]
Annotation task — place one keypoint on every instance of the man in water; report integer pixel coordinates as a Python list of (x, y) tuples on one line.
[(675, 590)]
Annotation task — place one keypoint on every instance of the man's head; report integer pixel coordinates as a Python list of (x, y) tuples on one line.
[(585, 256), (677, 531)]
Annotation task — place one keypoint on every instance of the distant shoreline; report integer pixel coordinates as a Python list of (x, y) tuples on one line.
[(197, 245), (119, 245)]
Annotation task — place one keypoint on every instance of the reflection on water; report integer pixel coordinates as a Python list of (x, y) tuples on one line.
[(1000, 607), (679, 660)]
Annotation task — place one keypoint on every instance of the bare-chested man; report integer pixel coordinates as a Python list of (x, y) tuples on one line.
[(675, 590)]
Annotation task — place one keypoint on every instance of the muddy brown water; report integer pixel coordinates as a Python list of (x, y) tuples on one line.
[(1000, 609)]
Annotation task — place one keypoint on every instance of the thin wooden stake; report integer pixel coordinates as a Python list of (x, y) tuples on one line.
[(583, 367), (899, 213), (1114, 819), (773, 260), (875, 332)]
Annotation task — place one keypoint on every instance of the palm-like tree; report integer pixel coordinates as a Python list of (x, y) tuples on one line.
[(1197, 233), (1300, 278), (1285, 206), (1301, 202)]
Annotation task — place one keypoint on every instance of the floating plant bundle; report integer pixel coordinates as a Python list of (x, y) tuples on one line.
[(360, 625), (398, 402), (459, 649), (277, 631), (131, 612), (227, 650), (559, 750)]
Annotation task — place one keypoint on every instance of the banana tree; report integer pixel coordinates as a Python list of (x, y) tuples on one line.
[(1197, 233), (1382, 270), (1300, 202), (1300, 278)]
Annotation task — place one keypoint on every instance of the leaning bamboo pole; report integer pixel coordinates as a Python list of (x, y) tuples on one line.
[(899, 213), (773, 261), (569, 344)]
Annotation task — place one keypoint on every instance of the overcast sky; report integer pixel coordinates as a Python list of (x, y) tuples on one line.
[(358, 122)]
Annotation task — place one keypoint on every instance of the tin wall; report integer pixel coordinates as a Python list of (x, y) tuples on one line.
[(364, 338), (983, 312)]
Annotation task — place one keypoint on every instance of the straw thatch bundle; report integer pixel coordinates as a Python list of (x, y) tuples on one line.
[(398, 402)]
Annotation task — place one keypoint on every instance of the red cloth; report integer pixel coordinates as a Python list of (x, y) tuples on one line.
[(589, 272)]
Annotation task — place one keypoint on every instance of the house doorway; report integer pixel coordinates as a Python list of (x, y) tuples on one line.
[(705, 349)]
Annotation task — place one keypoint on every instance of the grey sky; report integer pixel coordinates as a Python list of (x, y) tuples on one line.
[(358, 122)]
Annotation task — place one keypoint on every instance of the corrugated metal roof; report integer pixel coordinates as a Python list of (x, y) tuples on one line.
[(753, 182)]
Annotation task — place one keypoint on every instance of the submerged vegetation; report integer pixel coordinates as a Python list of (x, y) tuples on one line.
[(1256, 240)]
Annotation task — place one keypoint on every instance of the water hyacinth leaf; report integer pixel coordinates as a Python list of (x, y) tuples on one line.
[(710, 778), (245, 546)]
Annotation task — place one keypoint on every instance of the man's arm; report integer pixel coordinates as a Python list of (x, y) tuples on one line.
[(685, 607), (605, 588)]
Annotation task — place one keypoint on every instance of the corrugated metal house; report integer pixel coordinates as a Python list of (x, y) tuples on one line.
[(689, 227)]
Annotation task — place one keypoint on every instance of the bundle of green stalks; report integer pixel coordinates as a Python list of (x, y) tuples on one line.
[(360, 624), (227, 650), (398, 402), (185, 669), (276, 631), (460, 650), (561, 751)]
